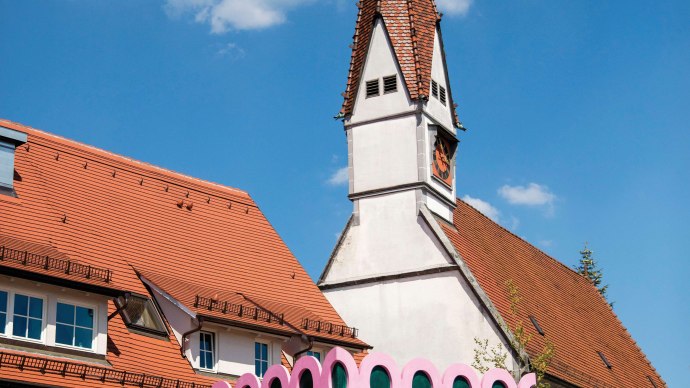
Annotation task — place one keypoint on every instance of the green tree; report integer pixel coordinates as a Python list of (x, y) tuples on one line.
[(587, 267), (486, 357)]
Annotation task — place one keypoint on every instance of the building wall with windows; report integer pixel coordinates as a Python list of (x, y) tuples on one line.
[(46, 317)]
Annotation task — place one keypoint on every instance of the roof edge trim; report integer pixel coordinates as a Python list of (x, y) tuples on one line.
[(433, 223), (167, 296)]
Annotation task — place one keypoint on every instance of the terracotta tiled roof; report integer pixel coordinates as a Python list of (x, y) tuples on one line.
[(91, 206), (569, 309), (243, 308), (411, 26)]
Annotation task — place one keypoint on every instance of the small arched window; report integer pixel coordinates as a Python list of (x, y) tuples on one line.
[(379, 378), (338, 376), (275, 383), (421, 380), (306, 380), (459, 382), (498, 384)]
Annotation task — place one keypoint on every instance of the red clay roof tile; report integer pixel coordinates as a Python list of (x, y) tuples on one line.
[(122, 214), (411, 26), (569, 309)]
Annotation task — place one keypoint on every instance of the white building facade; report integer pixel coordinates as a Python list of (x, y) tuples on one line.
[(394, 274)]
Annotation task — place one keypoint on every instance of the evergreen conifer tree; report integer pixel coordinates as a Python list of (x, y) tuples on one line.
[(587, 267)]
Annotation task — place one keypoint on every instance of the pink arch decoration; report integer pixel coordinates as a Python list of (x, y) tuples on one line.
[(305, 363), (343, 357), (420, 365), (496, 374), (247, 380), (276, 372), (383, 360), (359, 377), (528, 381), (463, 370)]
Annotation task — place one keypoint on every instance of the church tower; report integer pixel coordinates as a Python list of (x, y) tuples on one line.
[(390, 273)]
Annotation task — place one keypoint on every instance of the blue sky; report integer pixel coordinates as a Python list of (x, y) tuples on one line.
[(578, 117)]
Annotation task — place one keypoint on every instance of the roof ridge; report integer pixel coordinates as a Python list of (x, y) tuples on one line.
[(119, 158)]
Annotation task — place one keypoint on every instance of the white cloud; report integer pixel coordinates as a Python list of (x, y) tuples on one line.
[(225, 15), (483, 206), (454, 7), (340, 177), (532, 195), (232, 51)]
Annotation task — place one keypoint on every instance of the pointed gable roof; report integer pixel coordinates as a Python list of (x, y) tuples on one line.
[(567, 307), (411, 26), (100, 210)]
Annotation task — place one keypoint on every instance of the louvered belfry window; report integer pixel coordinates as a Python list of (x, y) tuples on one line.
[(434, 88), (373, 88), (390, 84), (442, 95)]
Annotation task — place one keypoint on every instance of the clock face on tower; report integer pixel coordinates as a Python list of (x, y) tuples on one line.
[(441, 161)]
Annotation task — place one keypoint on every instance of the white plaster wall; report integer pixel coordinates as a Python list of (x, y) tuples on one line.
[(384, 154), (235, 349), (393, 316), (438, 207), (390, 238), (380, 62), (441, 113), (179, 321), (53, 294)]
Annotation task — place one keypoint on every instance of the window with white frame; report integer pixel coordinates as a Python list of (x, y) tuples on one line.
[(315, 354), (74, 325), (3, 311), (27, 318), (207, 350), (261, 358)]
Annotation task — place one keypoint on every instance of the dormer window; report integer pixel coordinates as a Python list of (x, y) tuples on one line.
[(141, 314), (390, 84), (373, 88), (9, 140)]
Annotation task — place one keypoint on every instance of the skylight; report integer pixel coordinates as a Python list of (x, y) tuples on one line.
[(606, 362), (9, 140), (536, 324)]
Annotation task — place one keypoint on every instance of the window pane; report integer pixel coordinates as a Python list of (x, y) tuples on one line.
[(257, 368), (339, 376), (379, 378), (257, 352), (19, 327), (305, 380), (421, 380), (3, 301), (264, 352), (460, 382), (34, 329), (3, 322), (64, 334), (209, 360), (264, 368), (83, 337), (84, 317), (65, 314), (21, 304), (36, 308)]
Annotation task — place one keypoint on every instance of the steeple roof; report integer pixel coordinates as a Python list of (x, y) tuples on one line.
[(411, 27)]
